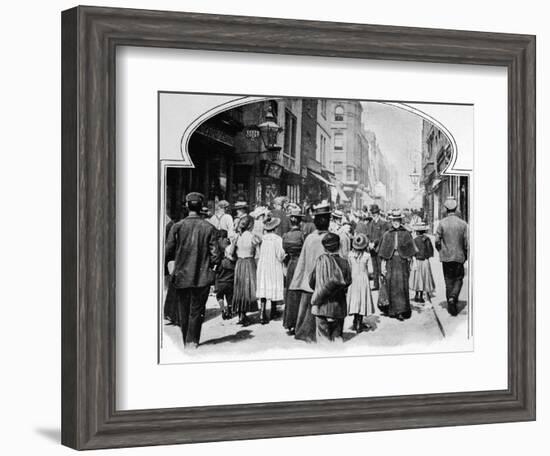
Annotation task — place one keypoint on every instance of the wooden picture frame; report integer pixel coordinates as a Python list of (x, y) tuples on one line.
[(90, 37)]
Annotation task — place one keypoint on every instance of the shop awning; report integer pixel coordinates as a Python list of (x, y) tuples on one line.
[(321, 178)]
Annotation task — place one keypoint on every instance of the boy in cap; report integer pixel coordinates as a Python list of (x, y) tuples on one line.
[(451, 240), (329, 281)]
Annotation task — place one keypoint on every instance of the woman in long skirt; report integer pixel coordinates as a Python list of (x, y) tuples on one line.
[(244, 294), (359, 297), (270, 278), (396, 250), (293, 241)]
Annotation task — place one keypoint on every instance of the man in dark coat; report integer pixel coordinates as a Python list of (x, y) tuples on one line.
[(451, 240), (279, 212), (193, 243), (375, 230)]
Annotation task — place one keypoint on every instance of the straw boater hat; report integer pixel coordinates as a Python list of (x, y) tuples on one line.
[(322, 208), (241, 205), (395, 214), (450, 203), (223, 204), (337, 214), (272, 223), (420, 227), (360, 241)]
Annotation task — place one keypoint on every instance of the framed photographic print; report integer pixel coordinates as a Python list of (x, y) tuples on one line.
[(282, 228)]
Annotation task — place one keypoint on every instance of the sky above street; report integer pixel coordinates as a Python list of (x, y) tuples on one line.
[(399, 136)]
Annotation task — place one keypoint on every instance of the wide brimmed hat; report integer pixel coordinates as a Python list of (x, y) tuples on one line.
[(322, 208), (280, 200), (194, 197), (272, 223), (360, 242), (331, 242), (223, 204), (420, 227), (295, 211), (259, 211), (395, 214), (240, 205), (450, 203)]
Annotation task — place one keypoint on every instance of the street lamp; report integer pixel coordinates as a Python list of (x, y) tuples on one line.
[(269, 130), (415, 177)]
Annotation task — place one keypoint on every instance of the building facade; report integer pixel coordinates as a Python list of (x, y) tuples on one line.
[(436, 157)]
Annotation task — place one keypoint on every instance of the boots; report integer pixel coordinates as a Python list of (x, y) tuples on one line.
[(263, 315), (221, 303), (274, 314), (420, 297)]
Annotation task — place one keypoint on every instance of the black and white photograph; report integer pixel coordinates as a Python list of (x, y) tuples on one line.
[(311, 227)]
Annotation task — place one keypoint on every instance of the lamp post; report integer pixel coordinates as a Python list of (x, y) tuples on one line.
[(415, 177), (269, 130)]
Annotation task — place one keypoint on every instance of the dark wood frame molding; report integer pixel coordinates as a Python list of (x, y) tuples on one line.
[(90, 36)]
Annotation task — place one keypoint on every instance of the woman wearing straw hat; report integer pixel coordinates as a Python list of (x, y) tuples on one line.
[(359, 297), (422, 280), (396, 250), (293, 241), (244, 248), (270, 278)]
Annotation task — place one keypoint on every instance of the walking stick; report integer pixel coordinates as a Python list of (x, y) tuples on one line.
[(437, 320)]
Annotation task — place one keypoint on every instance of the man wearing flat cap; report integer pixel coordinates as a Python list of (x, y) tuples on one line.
[(193, 245), (375, 230), (451, 240)]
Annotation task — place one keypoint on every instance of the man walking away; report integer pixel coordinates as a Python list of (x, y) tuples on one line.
[(451, 240), (193, 242)]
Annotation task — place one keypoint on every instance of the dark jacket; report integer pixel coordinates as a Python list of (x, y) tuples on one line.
[(405, 244), (284, 226), (376, 229), (293, 242), (424, 246), (451, 239), (335, 304), (193, 244)]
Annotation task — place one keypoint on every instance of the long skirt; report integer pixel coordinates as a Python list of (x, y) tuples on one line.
[(292, 297), (306, 326), (244, 292), (422, 278), (396, 288)]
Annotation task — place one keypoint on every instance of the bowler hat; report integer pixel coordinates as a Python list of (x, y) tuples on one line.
[(194, 197), (360, 241), (331, 242), (374, 209), (272, 223), (450, 203)]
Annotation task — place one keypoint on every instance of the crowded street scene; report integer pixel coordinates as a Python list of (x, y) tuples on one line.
[(297, 228)]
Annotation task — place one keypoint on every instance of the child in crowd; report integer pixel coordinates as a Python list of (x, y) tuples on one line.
[(225, 276), (359, 297), (422, 280)]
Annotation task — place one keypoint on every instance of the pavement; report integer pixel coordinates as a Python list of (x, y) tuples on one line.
[(225, 340)]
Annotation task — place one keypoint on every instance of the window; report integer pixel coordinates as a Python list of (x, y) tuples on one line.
[(338, 141), (350, 174), (339, 113), (289, 149), (323, 157), (324, 108), (338, 169)]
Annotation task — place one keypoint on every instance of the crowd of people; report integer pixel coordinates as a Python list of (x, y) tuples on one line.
[(316, 266)]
